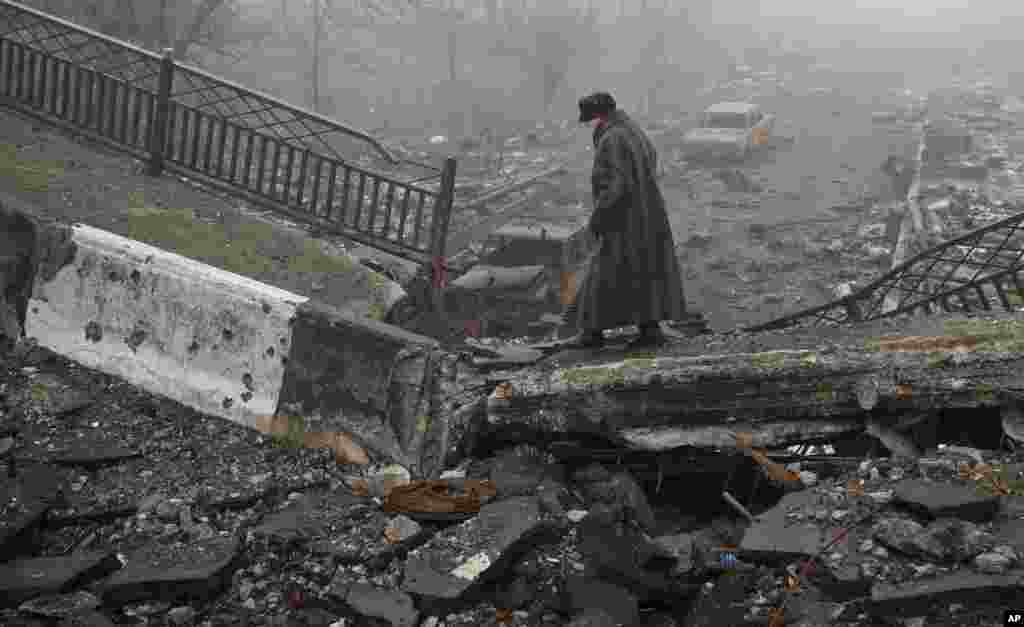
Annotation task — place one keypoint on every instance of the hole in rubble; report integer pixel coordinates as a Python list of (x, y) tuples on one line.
[(682, 484), (979, 428)]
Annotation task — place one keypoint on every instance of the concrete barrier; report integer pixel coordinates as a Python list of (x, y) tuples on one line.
[(221, 343), (210, 339), (375, 381)]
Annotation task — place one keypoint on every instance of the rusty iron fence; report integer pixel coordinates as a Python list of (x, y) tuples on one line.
[(976, 272), (174, 116)]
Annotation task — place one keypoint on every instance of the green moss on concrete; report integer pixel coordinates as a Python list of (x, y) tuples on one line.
[(604, 375), (824, 392), (27, 175), (768, 361), (809, 360), (594, 376), (294, 438), (39, 393), (180, 231), (995, 335), (423, 423), (1015, 487), (937, 359), (376, 311), (314, 259)]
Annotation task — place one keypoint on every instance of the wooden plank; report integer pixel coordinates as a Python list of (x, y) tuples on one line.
[(301, 187)]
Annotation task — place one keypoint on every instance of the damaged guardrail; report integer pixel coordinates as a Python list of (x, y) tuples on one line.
[(221, 343)]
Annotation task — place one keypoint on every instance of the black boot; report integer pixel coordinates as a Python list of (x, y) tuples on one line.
[(650, 336), (587, 339)]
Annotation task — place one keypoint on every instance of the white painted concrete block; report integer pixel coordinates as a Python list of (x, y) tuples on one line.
[(210, 339)]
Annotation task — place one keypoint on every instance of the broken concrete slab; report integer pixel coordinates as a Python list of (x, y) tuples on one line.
[(174, 572), (916, 597), (945, 539), (509, 356), (91, 455), (24, 501), (773, 536), (339, 524), (679, 547), (365, 378), (93, 618), (61, 605), (393, 606), (582, 593), (459, 557), (617, 553), (516, 475), (621, 492), (1010, 533), (310, 516), (25, 579), (944, 499)]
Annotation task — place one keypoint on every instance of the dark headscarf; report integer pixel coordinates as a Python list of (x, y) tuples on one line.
[(596, 104)]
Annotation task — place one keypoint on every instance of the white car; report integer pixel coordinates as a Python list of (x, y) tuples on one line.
[(729, 130)]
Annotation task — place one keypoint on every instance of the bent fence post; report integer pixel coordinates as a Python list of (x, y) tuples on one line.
[(439, 233), (161, 112)]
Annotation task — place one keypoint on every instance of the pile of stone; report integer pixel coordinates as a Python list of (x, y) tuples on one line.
[(127, 509)]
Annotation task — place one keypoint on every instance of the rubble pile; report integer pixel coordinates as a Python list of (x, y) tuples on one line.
[(935, 540), (121, 508)]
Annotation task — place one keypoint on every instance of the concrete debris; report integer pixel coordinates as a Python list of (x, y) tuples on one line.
[(173, 518), (946, 500)]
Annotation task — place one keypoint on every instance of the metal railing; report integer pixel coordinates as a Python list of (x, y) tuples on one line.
[(976, 272), (172, 115)]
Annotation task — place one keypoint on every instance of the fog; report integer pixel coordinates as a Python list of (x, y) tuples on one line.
[(459, 66)]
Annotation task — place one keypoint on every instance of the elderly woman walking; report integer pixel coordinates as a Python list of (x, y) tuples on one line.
[(634, 277)]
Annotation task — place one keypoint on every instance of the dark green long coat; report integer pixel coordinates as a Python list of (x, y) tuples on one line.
[(634, 275)]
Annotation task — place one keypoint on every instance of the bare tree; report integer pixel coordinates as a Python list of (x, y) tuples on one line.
[(182, 25)]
